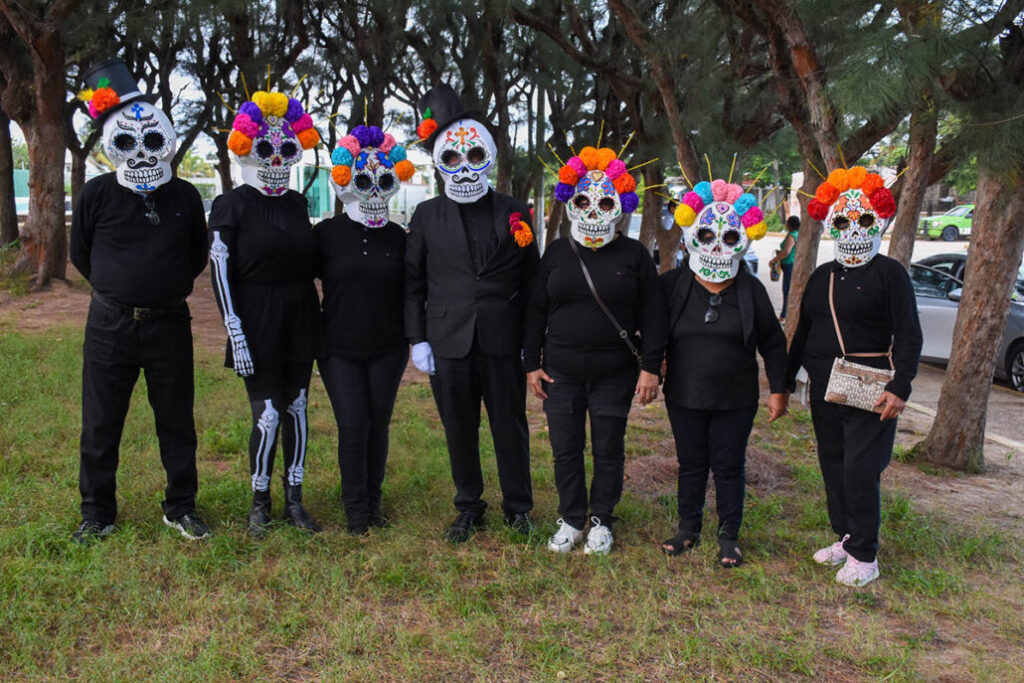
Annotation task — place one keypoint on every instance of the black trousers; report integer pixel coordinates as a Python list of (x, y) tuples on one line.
[(363, 394), (278, 396), (854, 447), (116, 348), (458, 385), (715, 440), (607, 400)]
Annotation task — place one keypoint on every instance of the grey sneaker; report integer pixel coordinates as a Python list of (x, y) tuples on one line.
[(90, 531), (190, 525)]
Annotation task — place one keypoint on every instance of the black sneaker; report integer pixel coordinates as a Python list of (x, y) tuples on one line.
[(520, 523), (190, 525), (464, 526), (379, 521), (91, 530)]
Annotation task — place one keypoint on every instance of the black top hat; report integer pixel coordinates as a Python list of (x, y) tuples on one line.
[(445, 107), (114, 74)]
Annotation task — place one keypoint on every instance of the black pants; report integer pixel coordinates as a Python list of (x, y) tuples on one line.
[(116, 348), (458, 385), (715, 440), (854, 447), (363, 396), (787, 278), (278, 396), (607, 399)]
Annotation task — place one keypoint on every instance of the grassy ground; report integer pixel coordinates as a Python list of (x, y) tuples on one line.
[(404, 605)]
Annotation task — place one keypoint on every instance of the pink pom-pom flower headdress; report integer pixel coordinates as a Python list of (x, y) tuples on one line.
[(577, 170)]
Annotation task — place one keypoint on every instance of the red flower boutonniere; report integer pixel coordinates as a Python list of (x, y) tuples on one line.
[(520, 230)]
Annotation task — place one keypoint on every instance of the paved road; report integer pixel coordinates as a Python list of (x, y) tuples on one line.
[(1006, 406)]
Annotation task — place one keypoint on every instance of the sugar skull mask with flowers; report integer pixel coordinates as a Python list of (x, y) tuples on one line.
[(268, 136), (596, 189), (855, 206), (719, 223), (464, 152), (369, 167)]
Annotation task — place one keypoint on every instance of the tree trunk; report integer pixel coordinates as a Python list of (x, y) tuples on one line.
[(805, 260), (78, 159), (223, 163), (8, 209), (554, 223), (957, 436), (923, 131)]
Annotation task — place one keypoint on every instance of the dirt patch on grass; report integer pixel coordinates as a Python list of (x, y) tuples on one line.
[(653, 476)]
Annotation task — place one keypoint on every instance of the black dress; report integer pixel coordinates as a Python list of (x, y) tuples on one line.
[(271, 266)]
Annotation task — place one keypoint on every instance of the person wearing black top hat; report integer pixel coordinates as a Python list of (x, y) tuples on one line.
[(138, 237), (263, 263), (361, 265), (469, 257)]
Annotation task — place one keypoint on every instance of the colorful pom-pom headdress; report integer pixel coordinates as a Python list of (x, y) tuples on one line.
[(354, 150), (576, 174), (743, 203), (254, 119), (110, 86), (857, 179)]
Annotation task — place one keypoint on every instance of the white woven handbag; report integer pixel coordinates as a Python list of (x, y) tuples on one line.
[(852, 384)]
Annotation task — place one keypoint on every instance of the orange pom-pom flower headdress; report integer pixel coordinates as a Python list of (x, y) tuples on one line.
[(855, 206), (368, 168), (268, 135), (597, 189)]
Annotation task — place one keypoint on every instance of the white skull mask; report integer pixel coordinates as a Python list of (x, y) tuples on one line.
[(463, 153), (373, 183), (856, 229), (594, 210), (140, 140), (716, 241), (275, 150)]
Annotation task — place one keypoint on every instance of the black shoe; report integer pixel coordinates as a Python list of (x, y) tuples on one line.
[(464, 526), (358, 529), (190, 525), (379, 521), (90, 531), (259, 514), (294, 513), (520, 523)]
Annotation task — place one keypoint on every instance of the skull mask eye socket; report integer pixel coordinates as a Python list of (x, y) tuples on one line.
[(606, 204), (866, 220), (363, 182), (264, 150), (153, 141), (731, 237), (581, 202), (288, 149), (706, 235), (476, 156), (124, 142), (386, 181), (451, 158), (841, 222)]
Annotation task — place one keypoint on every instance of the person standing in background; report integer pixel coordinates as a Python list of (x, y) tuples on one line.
[(783, 259)]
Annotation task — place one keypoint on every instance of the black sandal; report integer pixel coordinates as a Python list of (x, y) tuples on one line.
[(679, 544), (729, 549)]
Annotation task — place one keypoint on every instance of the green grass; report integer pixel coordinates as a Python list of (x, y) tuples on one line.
[(404, 605)]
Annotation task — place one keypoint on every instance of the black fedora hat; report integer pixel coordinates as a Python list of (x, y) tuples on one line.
[(442, 104), (114, 74)]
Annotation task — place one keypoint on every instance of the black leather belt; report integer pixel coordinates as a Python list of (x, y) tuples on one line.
[(138, 312)]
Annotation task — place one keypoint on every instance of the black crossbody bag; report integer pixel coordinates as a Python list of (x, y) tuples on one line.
[(623, 334)]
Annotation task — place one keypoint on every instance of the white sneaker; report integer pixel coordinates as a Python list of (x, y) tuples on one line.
[(599, 539), (856, 573), (832, 554), (566, 538)]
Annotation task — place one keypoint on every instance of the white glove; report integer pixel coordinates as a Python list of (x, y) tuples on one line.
[(239, 347), (423, 357)]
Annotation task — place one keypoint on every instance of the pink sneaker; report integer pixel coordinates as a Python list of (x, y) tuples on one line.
[(856, 573), (832, 554)]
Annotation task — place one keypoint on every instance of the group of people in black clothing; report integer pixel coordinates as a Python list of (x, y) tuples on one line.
[(588, 328)]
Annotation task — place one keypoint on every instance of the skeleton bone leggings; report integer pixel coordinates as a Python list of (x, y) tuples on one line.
[(278, 397)]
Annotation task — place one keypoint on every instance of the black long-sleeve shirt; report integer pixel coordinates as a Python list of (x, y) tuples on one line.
[(713, 366), (564, 320), (875, 306), (128, 259), (363, 275), (479, 225)]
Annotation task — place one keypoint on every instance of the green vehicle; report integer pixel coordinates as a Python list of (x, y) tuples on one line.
[(950, 226)]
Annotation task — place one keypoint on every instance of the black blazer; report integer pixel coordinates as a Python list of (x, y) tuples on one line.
[(761, 329), (447, 301)]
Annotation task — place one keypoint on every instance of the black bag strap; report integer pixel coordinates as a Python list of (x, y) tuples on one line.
[(623, 334)]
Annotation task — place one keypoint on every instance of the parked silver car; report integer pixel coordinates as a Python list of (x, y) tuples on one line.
[(938, 284)]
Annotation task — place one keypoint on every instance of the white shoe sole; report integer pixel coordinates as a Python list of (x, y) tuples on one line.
[(562, 547), (832, 560), (180, 529), (587, 550)]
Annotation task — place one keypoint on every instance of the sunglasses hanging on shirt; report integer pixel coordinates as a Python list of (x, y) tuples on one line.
[(151, 214), (711, 316)]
